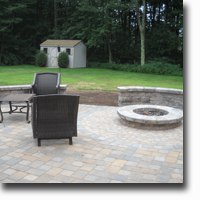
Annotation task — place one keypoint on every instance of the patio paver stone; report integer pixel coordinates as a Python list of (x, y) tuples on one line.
[(105, 151)]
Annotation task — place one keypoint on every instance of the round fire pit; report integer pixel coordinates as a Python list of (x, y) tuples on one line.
[(150, 116)]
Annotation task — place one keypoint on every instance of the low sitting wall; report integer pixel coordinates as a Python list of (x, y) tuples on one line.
[(150, 95), (17, 89)]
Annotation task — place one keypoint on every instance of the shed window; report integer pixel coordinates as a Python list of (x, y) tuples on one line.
[(58, 49), (45, 50), (68, 51)]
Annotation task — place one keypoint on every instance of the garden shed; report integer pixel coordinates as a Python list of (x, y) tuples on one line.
[(75, 49)]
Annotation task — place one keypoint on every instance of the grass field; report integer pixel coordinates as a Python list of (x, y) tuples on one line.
[(89, 78)]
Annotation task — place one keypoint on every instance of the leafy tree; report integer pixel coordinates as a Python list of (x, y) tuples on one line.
[(10, 17), (141, 15), (164, 43), (123, 31), (93, 22)]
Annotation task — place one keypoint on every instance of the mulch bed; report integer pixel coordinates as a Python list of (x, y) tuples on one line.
[(96, 97)]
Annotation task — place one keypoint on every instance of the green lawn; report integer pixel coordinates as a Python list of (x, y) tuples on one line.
[(89, 78)]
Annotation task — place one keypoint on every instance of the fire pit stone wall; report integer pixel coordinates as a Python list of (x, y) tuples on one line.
[(130, 95)]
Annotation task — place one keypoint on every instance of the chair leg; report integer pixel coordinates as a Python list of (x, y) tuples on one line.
[(39, 142), (1, 114), (70, 141), (10, 105)]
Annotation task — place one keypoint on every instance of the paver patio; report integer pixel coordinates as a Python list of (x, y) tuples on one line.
[(105, 151)]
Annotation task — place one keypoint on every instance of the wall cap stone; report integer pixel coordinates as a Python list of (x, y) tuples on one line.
[(22, 87), (149, 89)]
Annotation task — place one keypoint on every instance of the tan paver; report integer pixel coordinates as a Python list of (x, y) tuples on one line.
[(30, 177), (105, 151), (54, 171)]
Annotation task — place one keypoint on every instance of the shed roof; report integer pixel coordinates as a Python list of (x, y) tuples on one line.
[(55, 43)]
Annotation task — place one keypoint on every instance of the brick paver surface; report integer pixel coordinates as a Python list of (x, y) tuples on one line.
[(105, 151)]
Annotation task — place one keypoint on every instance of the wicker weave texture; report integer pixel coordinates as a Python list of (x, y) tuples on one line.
[(55, 116)]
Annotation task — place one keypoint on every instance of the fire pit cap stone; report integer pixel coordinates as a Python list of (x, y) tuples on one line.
[(171, 116), (148, 89)]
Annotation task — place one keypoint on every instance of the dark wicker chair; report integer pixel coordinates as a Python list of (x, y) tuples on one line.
[(46, 83), (54, 117)]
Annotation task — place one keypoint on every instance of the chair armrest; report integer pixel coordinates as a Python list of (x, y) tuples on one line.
[(58, 83), (34, 79), (34, 83), (33, 116)]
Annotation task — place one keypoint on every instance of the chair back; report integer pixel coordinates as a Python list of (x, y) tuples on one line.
[(55, 116), (46, 83)]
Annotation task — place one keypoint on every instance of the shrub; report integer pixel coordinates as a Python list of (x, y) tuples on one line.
[(63, 60), (154, 67), (41, 59)]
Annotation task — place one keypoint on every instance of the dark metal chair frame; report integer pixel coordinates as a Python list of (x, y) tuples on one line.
[(54, 117), (15, 107)]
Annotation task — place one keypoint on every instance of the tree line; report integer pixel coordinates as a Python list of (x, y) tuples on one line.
[(120, 31)]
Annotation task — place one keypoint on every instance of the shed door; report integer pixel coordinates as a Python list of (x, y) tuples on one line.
[(53, 57)]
